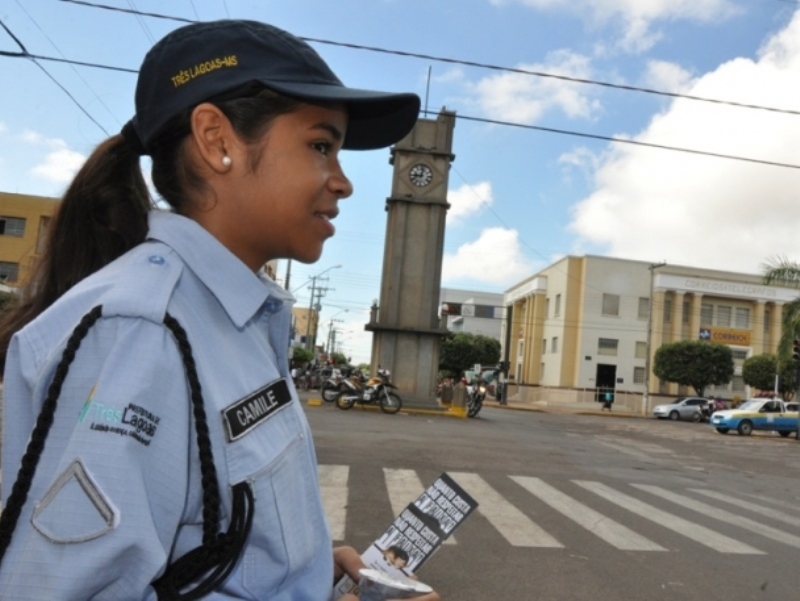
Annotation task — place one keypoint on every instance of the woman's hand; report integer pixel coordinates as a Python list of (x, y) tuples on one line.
[(346, 560)]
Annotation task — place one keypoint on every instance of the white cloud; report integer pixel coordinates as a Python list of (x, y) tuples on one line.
[(663, 75), (526, 98), (59, 164), (468, 200), (494, 258), (636, 17), (652, 204)]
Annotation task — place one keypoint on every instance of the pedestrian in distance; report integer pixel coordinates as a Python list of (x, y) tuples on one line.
[(153, 443)]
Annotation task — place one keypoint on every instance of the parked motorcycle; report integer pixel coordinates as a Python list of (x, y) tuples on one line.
[(375, 390), (475, 397), (331, 388)]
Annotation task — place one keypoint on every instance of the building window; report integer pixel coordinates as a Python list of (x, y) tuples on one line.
[(723, 316), (641, 350), (667, 310), (739, 355), (9, 272), (644, 307), (737, 384), (638, 375), (607, 346), (742, 318), (687, 308), (554, 345), (611, 304), (12, 226), (544, 346), (558, 304), (767, 318), (706, 315), (547, 308)]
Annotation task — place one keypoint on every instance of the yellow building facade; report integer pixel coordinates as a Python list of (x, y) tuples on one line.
[(582, 324), (24, 221)]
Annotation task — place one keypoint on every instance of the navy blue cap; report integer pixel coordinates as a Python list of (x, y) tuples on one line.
[(200, 61)]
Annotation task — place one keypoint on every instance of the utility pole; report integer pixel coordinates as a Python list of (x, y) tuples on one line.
[(310, 313), (646, 395), (288, 274)]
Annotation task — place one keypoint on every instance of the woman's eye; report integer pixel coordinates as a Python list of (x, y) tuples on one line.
[(322, 147)]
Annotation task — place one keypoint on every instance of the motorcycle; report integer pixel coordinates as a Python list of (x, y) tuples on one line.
[(375, 390), (332, 388), (475, 398)]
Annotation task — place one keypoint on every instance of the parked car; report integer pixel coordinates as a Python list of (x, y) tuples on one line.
[(757, 414), (690, 407)]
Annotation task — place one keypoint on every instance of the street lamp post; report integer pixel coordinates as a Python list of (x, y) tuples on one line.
[(646, 395)]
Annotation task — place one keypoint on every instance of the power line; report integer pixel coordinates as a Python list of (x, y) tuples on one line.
[(567, 132), (74, 70), (34, 57), (468, 63), (27, 55)]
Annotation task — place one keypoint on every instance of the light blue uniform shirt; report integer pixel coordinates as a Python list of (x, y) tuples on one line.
[(117, 491)]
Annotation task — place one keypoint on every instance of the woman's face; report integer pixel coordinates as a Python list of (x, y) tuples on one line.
[(282, 199)]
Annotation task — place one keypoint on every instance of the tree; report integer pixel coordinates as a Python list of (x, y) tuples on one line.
[(694, 363), (461, 351), (339, 358), (759, 371), (301, 356), (784, 272)]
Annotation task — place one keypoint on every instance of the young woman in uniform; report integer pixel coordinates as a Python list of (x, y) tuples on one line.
[(153, 444)]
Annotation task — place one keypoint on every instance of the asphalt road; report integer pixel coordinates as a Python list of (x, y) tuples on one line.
[(578, 507)]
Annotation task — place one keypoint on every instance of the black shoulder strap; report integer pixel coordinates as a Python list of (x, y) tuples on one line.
[(213, 561)]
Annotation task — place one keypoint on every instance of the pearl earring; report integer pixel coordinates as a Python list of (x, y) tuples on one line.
[(226, 161)]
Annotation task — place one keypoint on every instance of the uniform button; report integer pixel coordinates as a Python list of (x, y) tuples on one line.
[(157, 260)]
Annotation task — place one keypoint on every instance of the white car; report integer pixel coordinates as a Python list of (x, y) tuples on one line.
[(690, 407)]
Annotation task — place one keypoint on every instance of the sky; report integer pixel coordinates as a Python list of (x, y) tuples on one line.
[(554, 167)]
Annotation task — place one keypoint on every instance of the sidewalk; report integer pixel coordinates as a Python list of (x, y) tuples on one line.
[(571, 408)]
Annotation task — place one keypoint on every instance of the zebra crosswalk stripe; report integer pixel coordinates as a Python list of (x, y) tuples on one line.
[(404, 487), (722, 515), (607, 529), (691, 530), (514, 525), (333, 487), (754, 507)]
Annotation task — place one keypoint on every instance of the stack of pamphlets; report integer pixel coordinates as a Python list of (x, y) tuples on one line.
[(416, 533)]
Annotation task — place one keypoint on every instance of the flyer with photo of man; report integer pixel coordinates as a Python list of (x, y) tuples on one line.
[(416, 534)]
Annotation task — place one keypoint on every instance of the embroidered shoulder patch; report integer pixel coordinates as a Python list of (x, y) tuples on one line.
[(245, 414)]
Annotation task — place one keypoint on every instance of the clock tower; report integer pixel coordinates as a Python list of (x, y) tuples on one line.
[(407, 332)]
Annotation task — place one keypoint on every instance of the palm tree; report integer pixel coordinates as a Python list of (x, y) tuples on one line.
[(784, 272)]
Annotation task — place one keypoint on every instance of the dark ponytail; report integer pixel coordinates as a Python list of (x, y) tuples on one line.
[(104, 211), (102, 215)]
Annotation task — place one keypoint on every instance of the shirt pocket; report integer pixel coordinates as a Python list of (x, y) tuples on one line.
[(289, 526)]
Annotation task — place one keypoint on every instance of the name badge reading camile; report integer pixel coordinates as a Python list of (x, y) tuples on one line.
[(247, 413)]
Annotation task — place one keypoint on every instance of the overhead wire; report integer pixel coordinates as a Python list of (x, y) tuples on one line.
[(74, 70), (24, 53), (481, 65)]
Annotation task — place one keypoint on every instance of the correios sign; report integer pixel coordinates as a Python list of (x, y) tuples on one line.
[(725, 336)]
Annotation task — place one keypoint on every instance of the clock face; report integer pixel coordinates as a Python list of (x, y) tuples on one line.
[(420, 175)]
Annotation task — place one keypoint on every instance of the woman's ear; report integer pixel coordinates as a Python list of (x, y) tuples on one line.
[(213, 137)]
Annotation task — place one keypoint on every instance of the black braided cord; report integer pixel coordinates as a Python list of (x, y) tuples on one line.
[(217, 556), (35, 448)]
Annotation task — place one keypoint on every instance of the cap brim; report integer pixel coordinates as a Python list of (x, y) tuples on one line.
[(376, 119)]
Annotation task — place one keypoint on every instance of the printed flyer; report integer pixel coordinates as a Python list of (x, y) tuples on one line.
[(416, 533)]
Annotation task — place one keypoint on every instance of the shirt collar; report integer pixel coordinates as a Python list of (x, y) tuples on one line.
[(239, 290)]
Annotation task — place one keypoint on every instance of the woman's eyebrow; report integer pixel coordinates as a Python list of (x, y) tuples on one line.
[(334, 131)]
